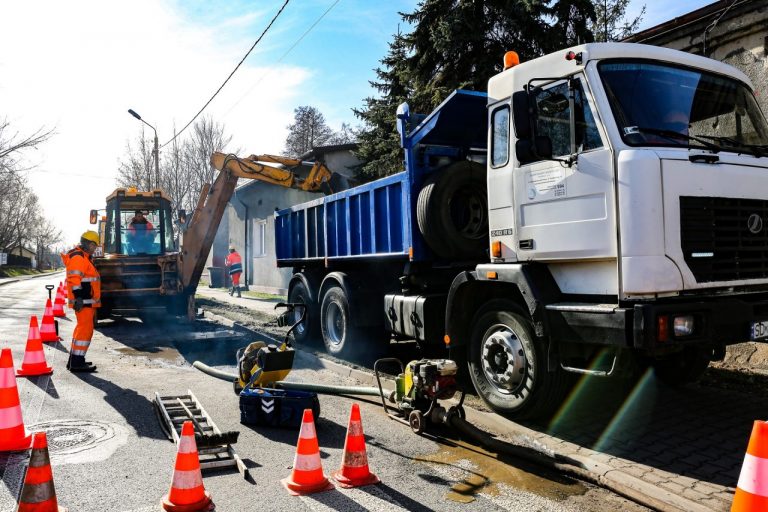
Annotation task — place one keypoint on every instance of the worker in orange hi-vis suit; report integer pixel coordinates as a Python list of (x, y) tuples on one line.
[(84, 293), (235, 265)]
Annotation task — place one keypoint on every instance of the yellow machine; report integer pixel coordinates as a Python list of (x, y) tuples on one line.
[(143, 270)]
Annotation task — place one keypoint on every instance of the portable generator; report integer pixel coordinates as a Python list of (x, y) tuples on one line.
[(418, 387)]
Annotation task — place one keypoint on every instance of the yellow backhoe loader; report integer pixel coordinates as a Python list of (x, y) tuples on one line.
[(141, 269)]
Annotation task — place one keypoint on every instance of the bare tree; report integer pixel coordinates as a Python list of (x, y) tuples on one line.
[(136, 168), (345, 135), (207, 137), (611, 22), (44, 235), (308, 130)]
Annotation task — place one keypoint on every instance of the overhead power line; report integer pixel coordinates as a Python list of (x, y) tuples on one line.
[(294, 45), (230, 75)]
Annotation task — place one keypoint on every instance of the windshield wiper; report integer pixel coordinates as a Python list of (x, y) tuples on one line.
[(669, 134), (759, 150)]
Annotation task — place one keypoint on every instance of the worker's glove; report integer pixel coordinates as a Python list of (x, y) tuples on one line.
[(78, 304)]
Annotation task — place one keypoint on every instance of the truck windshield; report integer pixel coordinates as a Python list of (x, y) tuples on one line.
[(651, 99)]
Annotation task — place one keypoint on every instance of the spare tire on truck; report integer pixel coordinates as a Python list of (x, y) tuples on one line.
[(452, 211)]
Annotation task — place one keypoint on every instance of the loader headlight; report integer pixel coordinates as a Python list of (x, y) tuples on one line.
[(683, 326)]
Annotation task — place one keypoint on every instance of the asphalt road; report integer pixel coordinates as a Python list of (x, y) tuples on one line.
[(109, 453)]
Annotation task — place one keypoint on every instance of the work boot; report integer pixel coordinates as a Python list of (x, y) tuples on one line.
[(77, 364), (238, 292), (231, 291)]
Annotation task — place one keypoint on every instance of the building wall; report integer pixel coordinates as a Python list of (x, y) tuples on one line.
[(737, 36)]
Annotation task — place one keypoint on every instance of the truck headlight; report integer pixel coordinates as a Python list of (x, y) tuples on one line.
[(683, 326)]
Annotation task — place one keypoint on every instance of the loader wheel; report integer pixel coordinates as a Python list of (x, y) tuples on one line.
[(452, 211), (307, 331), (508, 366)]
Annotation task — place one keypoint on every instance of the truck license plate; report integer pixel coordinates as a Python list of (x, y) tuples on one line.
[(760, 330)]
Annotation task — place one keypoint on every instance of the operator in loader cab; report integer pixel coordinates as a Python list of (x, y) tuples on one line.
[(84, 293), (140, 233)]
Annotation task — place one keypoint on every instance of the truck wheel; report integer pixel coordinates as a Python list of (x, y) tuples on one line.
[(306, 332), (452, 211), (683, 367), (335, 324), (508, 365)]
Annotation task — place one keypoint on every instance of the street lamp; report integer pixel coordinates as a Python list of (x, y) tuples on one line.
[(155, 152)]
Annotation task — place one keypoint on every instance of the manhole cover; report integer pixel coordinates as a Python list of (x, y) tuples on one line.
[(78, 440)]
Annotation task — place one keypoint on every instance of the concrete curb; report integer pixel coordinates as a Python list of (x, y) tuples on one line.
[(620, 482), (26, 278)]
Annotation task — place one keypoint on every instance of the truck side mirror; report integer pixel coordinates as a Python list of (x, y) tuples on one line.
[(533, 150), (182, 216), (94, 217)]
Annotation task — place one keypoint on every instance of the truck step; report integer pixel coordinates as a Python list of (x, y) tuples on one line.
[(583, 307)]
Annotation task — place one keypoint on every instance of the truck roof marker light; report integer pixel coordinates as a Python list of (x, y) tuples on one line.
[(662, 331), (511, 59), (496, 249), (410, 253), (447, 339), (492, 275), (578, 57)]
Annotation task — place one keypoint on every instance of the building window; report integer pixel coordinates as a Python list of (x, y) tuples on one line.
[(259, 232)]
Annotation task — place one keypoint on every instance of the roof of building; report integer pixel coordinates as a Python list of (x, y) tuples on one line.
[(322, 150), (714, 10)]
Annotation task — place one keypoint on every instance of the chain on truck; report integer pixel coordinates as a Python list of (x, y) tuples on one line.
[(600, 209)]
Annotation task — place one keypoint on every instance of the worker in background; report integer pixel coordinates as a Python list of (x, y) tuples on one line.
[(84, 292), (234, 264), (140, 233)]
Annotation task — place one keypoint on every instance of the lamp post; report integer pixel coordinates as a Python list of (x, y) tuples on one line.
[(155, 152)]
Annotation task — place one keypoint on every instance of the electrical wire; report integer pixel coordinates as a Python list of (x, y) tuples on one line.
[(289, 50), (230, 75)]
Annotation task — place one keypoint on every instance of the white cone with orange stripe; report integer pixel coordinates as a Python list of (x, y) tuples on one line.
[(48, 327), (13, 435), (58, 304), (307, 475), (354, 470), (752, 489), (187, 492), (34, 357)]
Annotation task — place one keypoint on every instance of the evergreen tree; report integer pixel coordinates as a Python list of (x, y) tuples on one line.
[(611, 22), (458, 44)]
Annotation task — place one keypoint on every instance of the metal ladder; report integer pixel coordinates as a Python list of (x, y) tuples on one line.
[(174, 410)]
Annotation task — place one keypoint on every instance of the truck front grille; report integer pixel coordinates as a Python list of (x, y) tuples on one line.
[(724, 239)]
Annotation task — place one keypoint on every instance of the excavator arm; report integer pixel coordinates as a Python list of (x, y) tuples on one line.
[(320, 178)]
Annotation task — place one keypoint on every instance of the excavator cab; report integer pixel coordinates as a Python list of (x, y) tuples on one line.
[(138, 224)]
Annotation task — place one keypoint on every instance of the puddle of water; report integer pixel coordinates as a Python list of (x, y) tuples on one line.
[(475, 470), (153, 352)]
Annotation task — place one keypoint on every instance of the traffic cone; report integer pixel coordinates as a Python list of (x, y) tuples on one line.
[(38, 494), (307, 475), (58, 304), (34, 357), (187, 492), (13, 435), (354, 470), (752, 489), (48, 328)]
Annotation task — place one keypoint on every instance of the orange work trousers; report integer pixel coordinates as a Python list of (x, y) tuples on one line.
[(81, 339), (236, 278)]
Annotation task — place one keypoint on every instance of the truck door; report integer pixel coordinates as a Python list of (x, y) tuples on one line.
[(565, 207)]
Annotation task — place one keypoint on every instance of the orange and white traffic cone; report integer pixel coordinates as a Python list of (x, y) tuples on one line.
[(34, 357), (752, 489), (38, 494), (307, 475), (58, 304), (354, 470), (187, 492), (48, 327), (13, 435)]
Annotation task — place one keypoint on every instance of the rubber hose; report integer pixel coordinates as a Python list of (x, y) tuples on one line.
[(317, 388)]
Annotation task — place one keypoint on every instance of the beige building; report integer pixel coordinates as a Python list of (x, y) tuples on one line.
[(731, 31)]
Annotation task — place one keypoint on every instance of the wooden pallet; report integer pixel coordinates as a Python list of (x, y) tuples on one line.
[(174, 410)]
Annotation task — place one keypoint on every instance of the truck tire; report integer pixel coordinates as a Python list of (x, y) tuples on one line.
[(507, 364), (452, 211), (307, 331), (339, 335), (682, 367)]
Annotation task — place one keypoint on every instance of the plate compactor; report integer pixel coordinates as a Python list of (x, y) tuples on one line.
[(419, 386)]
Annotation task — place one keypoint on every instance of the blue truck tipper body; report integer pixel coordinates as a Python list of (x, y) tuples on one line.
[(376, 220)]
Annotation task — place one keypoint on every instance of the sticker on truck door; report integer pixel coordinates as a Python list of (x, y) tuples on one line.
[(544, 181)]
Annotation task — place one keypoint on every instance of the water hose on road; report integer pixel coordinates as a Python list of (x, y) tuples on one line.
[(317, 388)]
